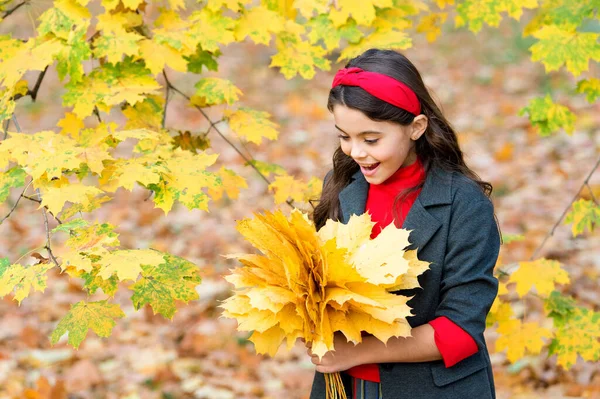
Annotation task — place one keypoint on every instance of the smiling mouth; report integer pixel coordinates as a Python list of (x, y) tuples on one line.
[(371, 166)]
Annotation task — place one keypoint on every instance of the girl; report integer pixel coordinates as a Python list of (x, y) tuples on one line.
[(399, 160)]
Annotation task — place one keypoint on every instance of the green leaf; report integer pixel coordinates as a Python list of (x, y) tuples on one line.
[(12, 178), (71, 60), (590, 87), (558, 306), (215, 91), (548, 117), (584, 215), (201, 59), (73, 224), (508, 238), (161, 285), (4, 265), (558, 46), (99, 316), (93, 281)]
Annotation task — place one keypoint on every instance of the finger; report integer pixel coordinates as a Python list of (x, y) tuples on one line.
[(315, 360)]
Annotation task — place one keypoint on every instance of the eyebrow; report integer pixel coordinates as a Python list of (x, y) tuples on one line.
[(361, 133)]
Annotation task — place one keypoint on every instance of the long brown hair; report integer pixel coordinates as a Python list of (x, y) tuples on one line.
[(436, 148)]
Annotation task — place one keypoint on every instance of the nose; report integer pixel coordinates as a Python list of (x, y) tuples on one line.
[(357, 151)]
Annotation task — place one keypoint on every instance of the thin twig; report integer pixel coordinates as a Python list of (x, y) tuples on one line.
[(97, 113), (39, 202), (249, 159), (33, 93), (217, 130), (592, 194), (551, 233), (6, 125), (15, 8), (168, 91), (16, 203), (48, 247)]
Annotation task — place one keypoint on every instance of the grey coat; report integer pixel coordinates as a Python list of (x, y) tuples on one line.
[(454, 228)]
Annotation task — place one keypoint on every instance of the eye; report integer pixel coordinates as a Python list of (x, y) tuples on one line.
[(345, 138), (373, 141)]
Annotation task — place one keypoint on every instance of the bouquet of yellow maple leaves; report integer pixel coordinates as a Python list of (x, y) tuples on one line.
[(309, 284)]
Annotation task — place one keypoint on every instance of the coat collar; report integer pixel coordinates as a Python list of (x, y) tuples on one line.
[(437, 190)]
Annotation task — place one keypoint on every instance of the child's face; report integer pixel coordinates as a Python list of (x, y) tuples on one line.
[(380, 148)]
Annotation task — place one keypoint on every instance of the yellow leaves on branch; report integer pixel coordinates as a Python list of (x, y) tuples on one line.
[(305, 284), (287, 187), (519, 338), (22, 279), (251, 124), (578, 333), (541, 273)]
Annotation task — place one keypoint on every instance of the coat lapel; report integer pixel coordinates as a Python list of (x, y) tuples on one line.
[(353, 197), (437, 190)]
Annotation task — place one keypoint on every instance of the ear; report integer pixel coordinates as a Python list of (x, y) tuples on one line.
[(418, 126)]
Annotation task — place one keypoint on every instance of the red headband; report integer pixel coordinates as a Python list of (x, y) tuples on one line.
[(381, 86)]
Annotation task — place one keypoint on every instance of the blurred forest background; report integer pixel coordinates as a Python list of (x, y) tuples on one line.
[(480, 82)]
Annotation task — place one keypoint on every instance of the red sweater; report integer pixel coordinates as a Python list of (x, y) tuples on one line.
[(452, 341)]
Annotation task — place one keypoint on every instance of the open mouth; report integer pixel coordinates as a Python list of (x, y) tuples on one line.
[(371, 167)]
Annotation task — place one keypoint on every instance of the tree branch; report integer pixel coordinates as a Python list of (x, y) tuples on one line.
[(16, 203), (551, 232), (48, 248), (212, 126), (15, 8), (164, 118), (39, 202)]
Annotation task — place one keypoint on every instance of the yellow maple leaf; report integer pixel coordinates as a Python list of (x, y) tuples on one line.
[(76, 193), (22, 279), (214, 91), (211, 29), (43, 153), (234, 5), (300, 58), (380, 39), (71, 125), (287, 187), (259, 23), (114, 46), (519, 338), (157, 55), (252, 125), (362, 11), (231, 184), (127, 263), (431, 25), (542, 273)]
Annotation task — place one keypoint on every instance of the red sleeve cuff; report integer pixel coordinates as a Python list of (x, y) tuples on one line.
[(454, 343)]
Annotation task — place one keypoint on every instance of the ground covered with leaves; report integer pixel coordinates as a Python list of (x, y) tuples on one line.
[(481, 83)]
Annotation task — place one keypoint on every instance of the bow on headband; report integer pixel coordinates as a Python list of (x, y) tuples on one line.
[(381, 86)]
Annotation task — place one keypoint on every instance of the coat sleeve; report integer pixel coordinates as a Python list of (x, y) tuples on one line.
[(468, 286)]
